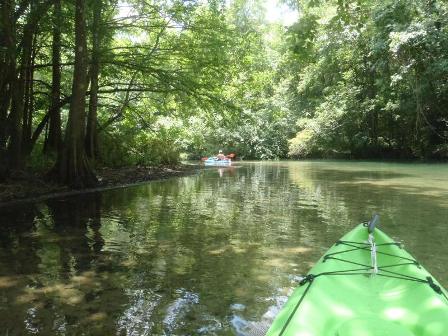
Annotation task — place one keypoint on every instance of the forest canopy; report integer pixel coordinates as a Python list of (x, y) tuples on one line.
[(143, 82), (370, 79)]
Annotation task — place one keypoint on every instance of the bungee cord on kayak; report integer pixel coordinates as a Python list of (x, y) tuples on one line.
[(373, 254), (374, 268), (371, 228)]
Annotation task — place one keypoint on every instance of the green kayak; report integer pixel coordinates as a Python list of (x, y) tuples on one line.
[(365, 285)]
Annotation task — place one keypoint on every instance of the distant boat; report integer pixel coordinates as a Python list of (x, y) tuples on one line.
[(214, 161)]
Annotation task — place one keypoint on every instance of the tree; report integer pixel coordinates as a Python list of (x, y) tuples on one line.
[(92, 128), (17, 83), (53, 142), (371, 86), (73, 167)]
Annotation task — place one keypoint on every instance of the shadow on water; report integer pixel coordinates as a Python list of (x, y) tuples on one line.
[(211, 254), (51, 283)]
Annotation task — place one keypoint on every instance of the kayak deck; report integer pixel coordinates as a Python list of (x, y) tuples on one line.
[(341, 297)]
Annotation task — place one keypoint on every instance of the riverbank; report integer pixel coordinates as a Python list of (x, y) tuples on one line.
[(27, 187)]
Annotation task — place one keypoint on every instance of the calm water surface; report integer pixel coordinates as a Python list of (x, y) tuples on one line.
[(215, 253)]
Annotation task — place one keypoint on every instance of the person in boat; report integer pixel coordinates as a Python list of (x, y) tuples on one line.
[(221, 156)]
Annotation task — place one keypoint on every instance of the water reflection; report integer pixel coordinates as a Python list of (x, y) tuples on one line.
[(210, 254)]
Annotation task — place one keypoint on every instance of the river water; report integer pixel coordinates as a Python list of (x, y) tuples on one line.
[(215, 253)]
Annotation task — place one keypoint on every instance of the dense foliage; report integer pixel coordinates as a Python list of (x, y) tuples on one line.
[(370, 79), (109, 82)]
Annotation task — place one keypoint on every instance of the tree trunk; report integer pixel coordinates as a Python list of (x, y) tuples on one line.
[(19, 77), (92, 131), (4, 94), (29, 101), (54, 140), (7, 72), (73, 166), (4, 105), (14, 130), (44, 122), (5, 101)]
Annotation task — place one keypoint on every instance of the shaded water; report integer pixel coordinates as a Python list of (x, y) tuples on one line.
[(211, 254)]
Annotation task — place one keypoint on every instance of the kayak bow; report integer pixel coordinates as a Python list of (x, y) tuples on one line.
[(365, 285)]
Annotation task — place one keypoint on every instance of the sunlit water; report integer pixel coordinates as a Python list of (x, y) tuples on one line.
[(215, 253)]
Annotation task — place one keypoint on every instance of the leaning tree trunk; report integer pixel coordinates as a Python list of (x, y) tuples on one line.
[(54, 140), (92, 131), (73, 166)]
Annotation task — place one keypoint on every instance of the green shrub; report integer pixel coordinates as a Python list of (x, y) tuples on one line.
[(302, 145)]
